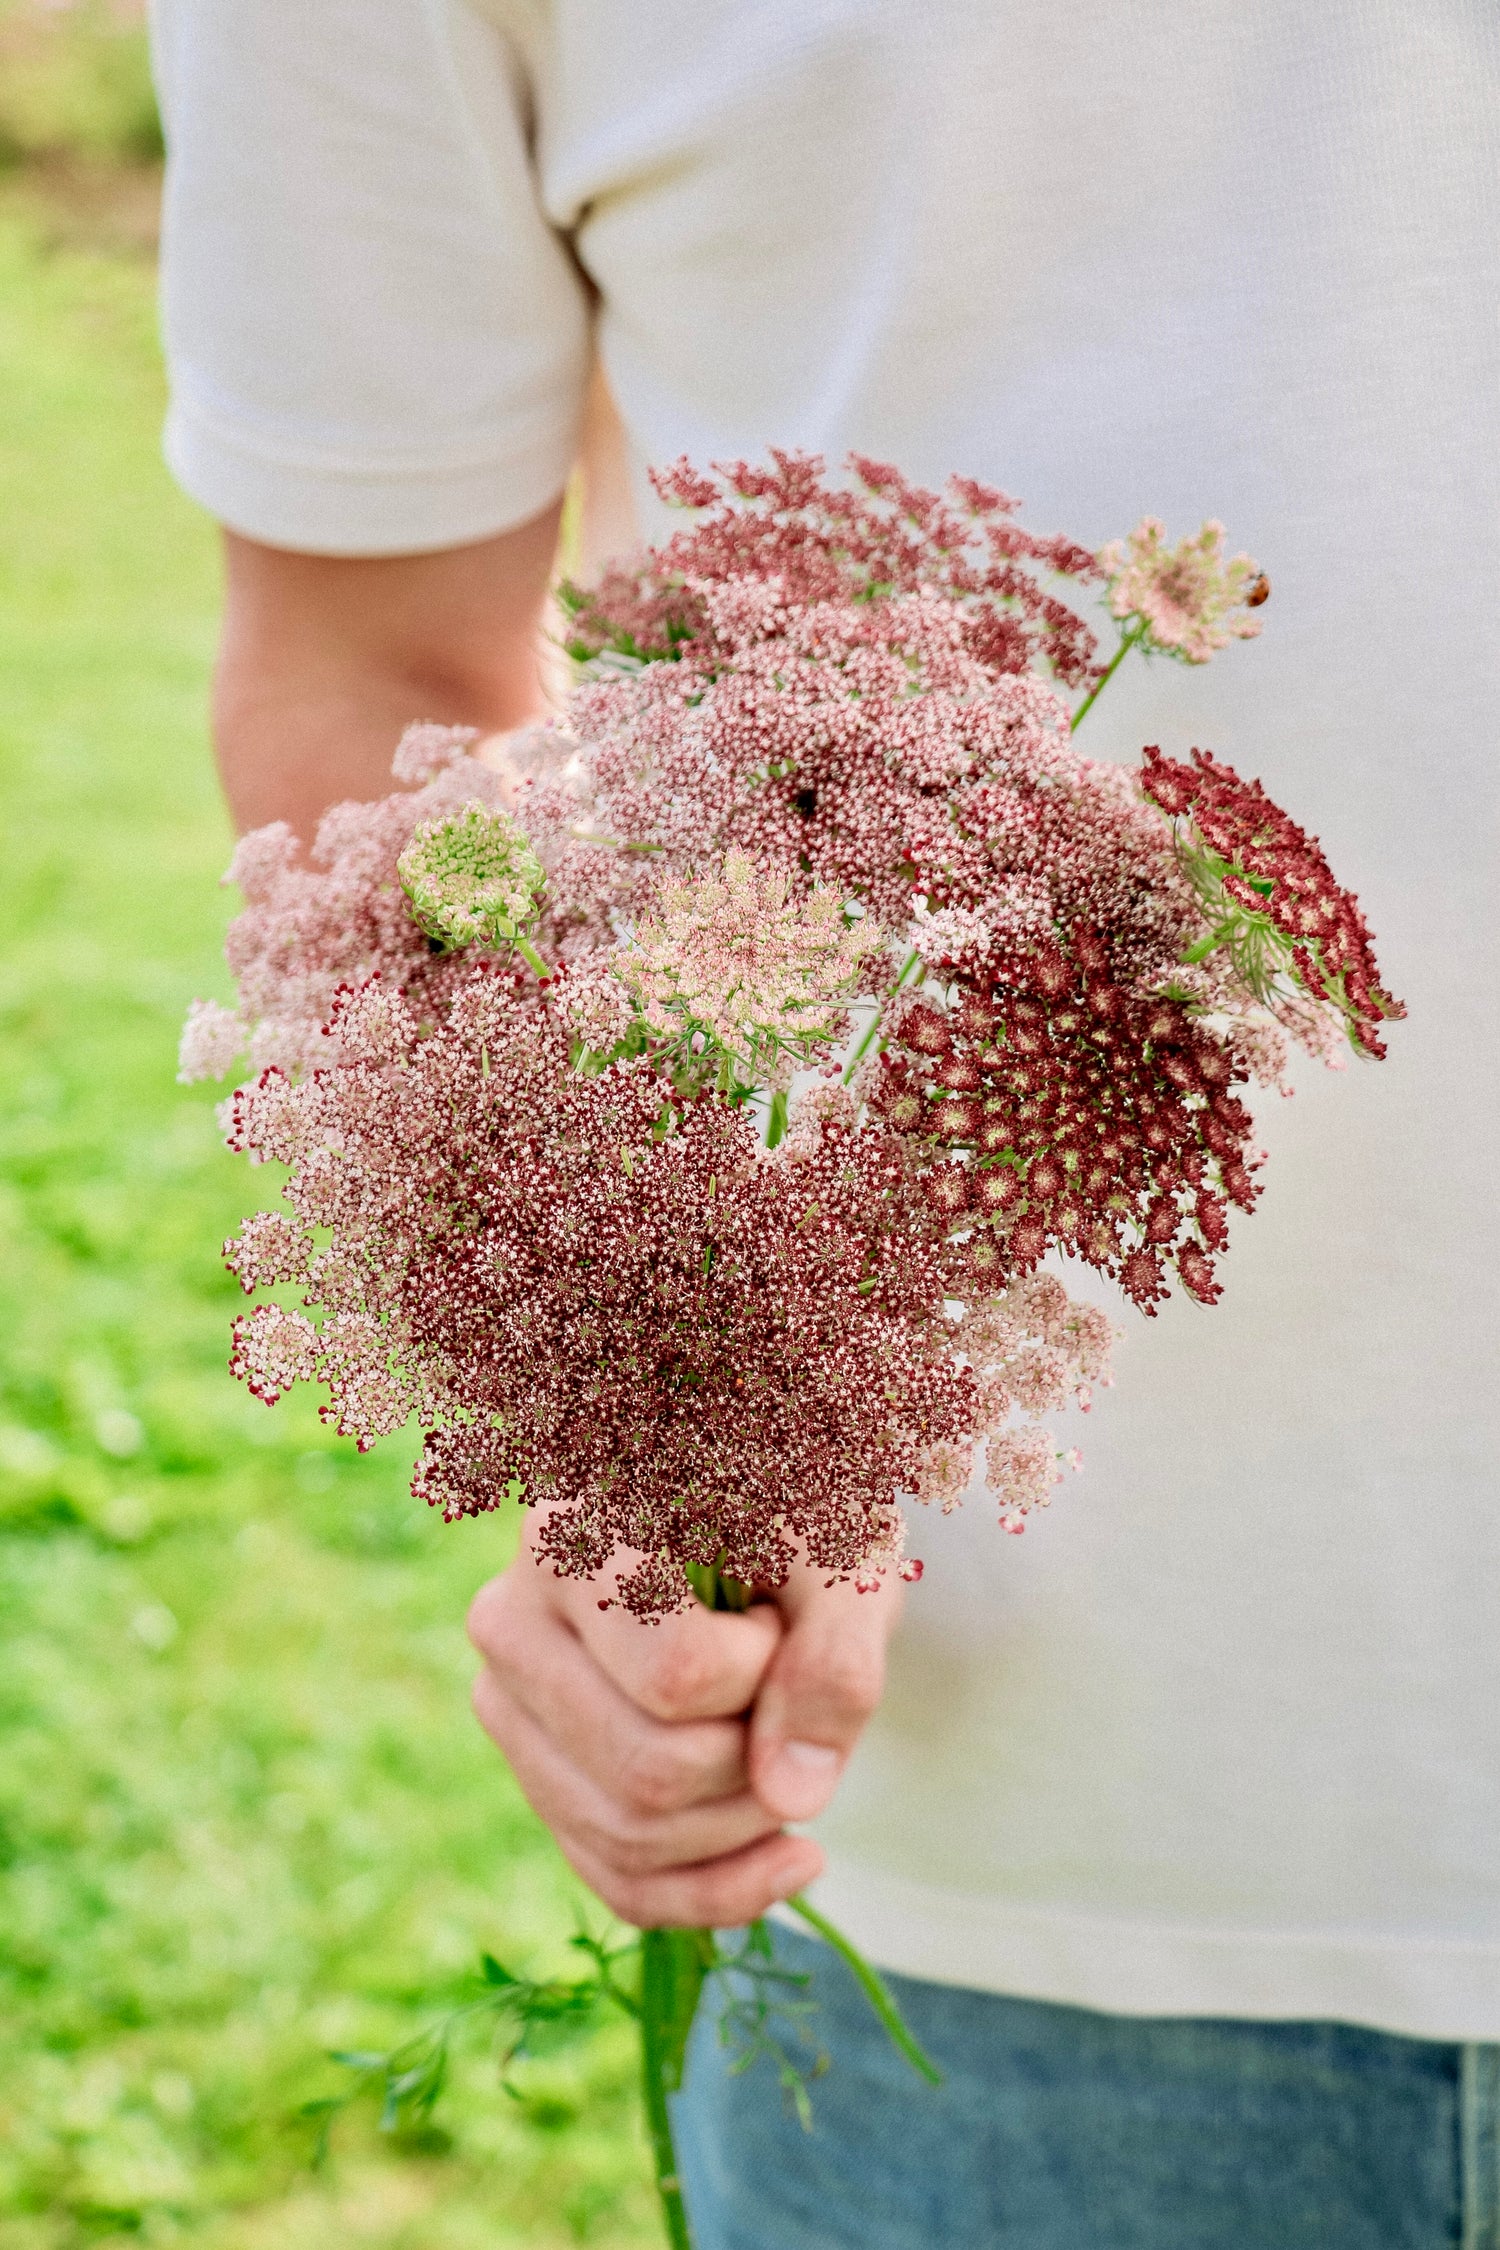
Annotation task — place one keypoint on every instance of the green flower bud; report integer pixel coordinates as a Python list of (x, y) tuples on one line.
[(473, 879)]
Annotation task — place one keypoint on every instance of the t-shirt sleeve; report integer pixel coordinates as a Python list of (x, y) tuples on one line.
[(376, 344)]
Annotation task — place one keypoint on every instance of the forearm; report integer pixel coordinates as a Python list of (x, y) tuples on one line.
[(324, 661), (289, 746)]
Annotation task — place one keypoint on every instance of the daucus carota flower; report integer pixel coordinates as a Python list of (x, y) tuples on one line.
[(861, 747), (786, 536), (1189, 598), (339, 914), (1056, 1110), (1269, 894), (540, 1218), (473, 879), (738, 966), (1022, 1466), (685, 1348)]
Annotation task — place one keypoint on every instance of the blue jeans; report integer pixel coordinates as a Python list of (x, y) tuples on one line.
[(1059, 2129)]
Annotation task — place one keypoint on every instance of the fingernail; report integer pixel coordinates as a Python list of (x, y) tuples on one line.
[(801, 1778)]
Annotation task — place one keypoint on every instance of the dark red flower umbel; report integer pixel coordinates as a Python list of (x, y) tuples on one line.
[(1093, 1122), (1275, 870)]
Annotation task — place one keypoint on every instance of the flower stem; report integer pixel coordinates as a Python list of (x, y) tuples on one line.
[(872, 1988), (1128, 641), (673, 1965), (873, 1027), (715, 1588)]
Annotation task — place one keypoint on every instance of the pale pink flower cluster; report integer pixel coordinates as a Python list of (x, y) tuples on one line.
[(340, 914), (741, 967), (862, 746), (1021, 1468), (783, 527), (1033, 1350), (1191, 600)]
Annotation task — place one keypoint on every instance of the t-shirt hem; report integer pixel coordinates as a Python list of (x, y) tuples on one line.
[(1421, 1986), (360, 504)]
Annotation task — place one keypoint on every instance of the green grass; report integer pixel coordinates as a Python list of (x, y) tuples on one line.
[(75, 82), (244, 1812)]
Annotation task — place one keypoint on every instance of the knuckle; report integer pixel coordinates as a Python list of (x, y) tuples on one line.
[(631, 1852), (674, 1681), (490, 1622), (845, 1680), (653, 1779), (718, 1900)]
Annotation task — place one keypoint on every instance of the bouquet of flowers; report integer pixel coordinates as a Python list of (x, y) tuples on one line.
[(687, 1122)]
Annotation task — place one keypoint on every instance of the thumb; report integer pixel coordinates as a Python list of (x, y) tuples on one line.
[(822, 1684)]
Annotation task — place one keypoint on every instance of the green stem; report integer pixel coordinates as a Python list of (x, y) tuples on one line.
[(715, 1588), (776, 1123), (872, 1988), (672, 1968), (1128, 641), (872, 1029)]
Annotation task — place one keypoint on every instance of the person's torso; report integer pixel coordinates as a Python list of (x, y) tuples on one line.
[(1205, 260)]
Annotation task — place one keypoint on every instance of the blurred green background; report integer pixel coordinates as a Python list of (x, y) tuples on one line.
[(245, 1815)]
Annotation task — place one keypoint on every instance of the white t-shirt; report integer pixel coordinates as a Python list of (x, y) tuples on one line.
[(1221, 1733)]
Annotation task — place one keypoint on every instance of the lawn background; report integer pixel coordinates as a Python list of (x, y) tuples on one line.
[(245, 1815)]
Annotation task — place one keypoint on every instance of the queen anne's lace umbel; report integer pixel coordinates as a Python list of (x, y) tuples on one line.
[(744, 963), (472, 879), (1189, 599)]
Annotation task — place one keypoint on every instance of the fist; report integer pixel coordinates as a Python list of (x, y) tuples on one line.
[(667, 1759)]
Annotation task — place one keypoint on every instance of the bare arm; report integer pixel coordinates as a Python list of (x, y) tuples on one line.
[(324, 660)]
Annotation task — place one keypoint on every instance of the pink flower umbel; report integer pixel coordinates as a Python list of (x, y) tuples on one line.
[(806, 542), (740, 968), (339, 914), (1189, 599)]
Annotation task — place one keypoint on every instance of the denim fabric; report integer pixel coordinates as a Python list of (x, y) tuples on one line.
[(1059, 2129)]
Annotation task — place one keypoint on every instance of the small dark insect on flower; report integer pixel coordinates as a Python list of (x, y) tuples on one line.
[(1257, 592)]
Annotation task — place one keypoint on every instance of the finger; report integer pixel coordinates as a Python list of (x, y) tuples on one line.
[(698, 1664), (824, 1681), (578, 1810), (645, 1764), (719, 1894)]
